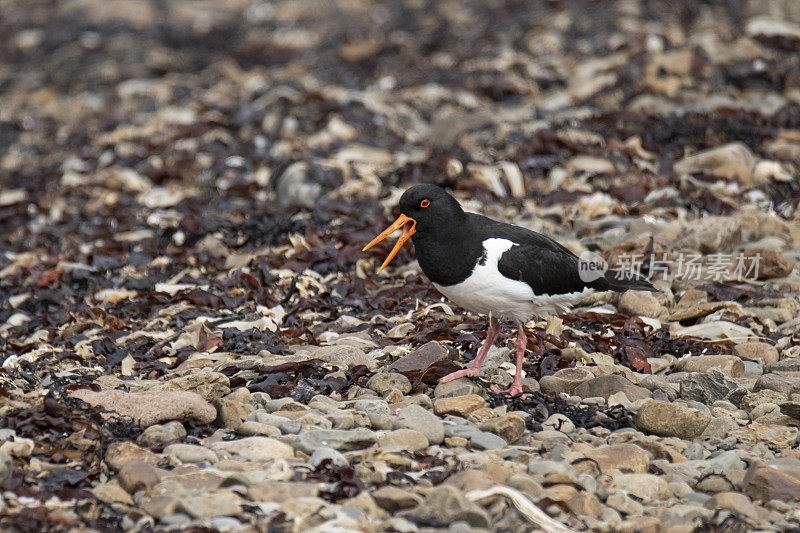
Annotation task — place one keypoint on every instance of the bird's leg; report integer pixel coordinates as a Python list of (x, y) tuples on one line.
[(474, 369), (516, 385)]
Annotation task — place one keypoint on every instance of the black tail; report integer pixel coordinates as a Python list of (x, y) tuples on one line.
[(621, 281)]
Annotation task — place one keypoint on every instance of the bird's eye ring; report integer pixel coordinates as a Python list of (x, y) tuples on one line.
[(425, 203)]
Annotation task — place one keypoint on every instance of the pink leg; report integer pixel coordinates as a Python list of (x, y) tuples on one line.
[(474, 369), (516, 385)]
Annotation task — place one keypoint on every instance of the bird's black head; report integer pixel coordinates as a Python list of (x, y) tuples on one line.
[(426, 211), (431, 207)]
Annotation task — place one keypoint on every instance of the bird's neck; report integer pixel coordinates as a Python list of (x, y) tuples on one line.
[(447, 255)]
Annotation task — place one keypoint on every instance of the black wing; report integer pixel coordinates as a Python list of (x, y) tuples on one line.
[(550, 268)]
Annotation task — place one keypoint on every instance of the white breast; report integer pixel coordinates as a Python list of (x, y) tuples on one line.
[(488, 292)]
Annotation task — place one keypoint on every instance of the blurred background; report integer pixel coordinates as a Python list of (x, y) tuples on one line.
[(186, 185)]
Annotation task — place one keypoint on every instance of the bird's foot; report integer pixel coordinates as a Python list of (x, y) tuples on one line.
[(469, 372), (513, 390)]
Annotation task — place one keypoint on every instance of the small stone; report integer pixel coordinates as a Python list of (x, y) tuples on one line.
[(327, 453), (483, 440), (256, 449), (509, 427), (151, 407), (753, 399), (458, 405), (671, 420), (771, 264), (733, 502), (370, 405), (776, 437), (639, 303), (189, 453), (791, 409), (161, 506), (270, 490), (622, 503), (158, 435), (720, 427), (343, 440), (648, 487), (707, 387), (605, 386), (207, 383), (526, 484), (623, 457), (784, 382), (223, 502), (119, 453), (565, 380), (445, 504), (256, 429), (380, 421), (421, 359), (471, 479), (456, 442), (764, 483), (711, 234), (403, 439), (732, 161), (457, 387), (110, 492), (419, 419), (19, 447), (230, 412), (585, 503), (730, 365), (383, 382), (138, 475), (559, 422), (343, 355), (757, 350), (394, 499)]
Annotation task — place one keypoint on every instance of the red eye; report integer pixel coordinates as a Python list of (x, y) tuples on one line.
[(424, 203)]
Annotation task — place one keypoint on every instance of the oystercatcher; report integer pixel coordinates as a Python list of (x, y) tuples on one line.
[(504, 271)]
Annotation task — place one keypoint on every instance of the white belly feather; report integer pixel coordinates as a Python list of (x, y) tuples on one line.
[(487, 291)]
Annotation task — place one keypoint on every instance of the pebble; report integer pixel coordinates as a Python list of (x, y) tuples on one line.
[(757, 350), (730, 365), (403, 439), (445, 504), (341, 440), (671, 420), (190, 453), (458, 405), (152, 407), (256, 449), (419, 419), (119, 453), (564, 381), (158, 435), (764, 483), (509, 427), (382, 382), (623, 457), (323, 453), (638, 303), (707, 387), (605, 386)]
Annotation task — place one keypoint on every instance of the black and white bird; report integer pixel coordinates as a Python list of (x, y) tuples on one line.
[(503, 271)]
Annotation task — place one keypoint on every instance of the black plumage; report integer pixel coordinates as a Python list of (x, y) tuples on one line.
[(505, 271)]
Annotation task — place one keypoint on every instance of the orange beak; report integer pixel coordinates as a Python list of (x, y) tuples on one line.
[(408, 231)]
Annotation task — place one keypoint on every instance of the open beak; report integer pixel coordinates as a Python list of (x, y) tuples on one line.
[(408, 230)]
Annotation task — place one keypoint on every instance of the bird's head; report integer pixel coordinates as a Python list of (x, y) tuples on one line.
[(424, 208)]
